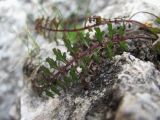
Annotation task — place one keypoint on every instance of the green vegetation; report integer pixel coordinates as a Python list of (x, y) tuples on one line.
[(86, 52)]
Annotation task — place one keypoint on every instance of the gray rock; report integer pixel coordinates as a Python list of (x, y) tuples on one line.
[(126, 89), (13, 15), (15, 110), (139, 106)]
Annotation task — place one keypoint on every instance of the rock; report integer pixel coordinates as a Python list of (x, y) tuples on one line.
[(15, 15), (140, 106), (126, 89), (35, 108), (140, 82), (111, 92), (123, 8), (15, 110)]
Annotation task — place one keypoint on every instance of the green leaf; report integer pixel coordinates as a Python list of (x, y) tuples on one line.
[(109, 51), (72, 36), (157, 47), (83, 66), (45, 70), (55, 90), (52, 63), (73, 73), (110, 31), (110, 28), (99, 34), (121, 30), (60, 84), (158, 20), (59, 55), (48, 93), (95, 56), (80, 35), (123, 45), (67, 43), (110, 44), (86, 60), (64, 57), (67, 80), (155, 30), (85, 42), (75, 50), (83, 39)]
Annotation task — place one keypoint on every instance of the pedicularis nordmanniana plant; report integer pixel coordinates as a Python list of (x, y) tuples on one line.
[(86, 53)]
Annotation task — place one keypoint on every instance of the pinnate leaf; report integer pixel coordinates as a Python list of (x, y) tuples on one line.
[(55, 90), (121, 30), (68, 44), (110, 30), (45, 70), (99, 34), (155, 30), (73, 73), (123, 45), (52, 63), (95, 56), (158, 20), (48, 93), (109, 51), (67, 80), (60, 84), (60, 56)]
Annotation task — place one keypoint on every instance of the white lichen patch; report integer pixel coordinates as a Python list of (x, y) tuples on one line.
[(82, 106), (137, 74), (138, 107), (137, 82)]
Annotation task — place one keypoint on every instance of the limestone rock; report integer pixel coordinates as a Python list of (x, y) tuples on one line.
[(126, 89)]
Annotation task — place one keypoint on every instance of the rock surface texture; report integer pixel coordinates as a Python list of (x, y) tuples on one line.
[(15, 15), (126, 89)]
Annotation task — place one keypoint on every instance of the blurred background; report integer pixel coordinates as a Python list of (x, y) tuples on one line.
[(17, 22)]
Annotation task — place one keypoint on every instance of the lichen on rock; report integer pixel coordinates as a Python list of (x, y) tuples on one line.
[(125, 84)]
